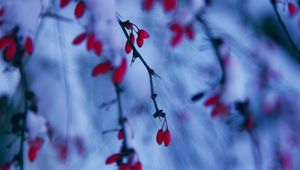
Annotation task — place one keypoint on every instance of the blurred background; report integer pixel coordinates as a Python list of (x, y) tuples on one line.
[(261, 69)]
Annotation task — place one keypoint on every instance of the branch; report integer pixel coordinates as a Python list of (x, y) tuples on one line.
[(23, 128), (285, 30), (151, 73), (216, 44), (122, 119)]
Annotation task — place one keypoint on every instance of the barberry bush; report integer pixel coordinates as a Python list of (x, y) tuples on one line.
[(149, 84)]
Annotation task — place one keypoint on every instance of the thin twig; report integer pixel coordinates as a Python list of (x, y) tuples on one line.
[(285, 30), (150, 71), (122, 119), (23, 128), (215, 44)]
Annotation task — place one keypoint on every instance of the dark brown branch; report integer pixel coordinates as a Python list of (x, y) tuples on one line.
[(216, 45), (285, 30), (122, 119), (23, 128), (150, 71)]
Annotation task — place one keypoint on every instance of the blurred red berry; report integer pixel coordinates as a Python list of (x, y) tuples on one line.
[(90, 41), (79, 39), (112, 159), (64, 3), (29, 45), (120, 72), (10, 51), (169, 5), (120, 135), (79, 9), (160, 136), (143, 34), (148, 4), (140, 41), (167, 137), (101, 68), (137, 166), (292, 8)]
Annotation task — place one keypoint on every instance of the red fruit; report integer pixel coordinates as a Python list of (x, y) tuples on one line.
[(189, 31), (90, 41), (79, 9), (120, 135), (175, 27), (79, 38), (177, 38), (5, 41), (160, 136), (148, 4), (101, 68), (32, 153), (128, 47), (137, 166), (178, 33), (219, 109), (167, 138), (64, 3), (212, 100), (169, 5), (143, 34), (124, 167), (292, 9), (35, 146), (112, 159), (10, 51), (98, 47), (139, 41), (29, 45), (120, 72)]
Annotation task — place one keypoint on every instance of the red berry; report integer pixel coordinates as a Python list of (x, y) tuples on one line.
[(32, 153), (64, 3), (101, 68), (137, 166), (29, 45), (5, 41), (167, 138), (219, 109), (178, 33), (124, 167), (169, 5), (148, 4), (90, 41), (143, 34), (190, 32), (112, 159), (120, 135), (292, 9), (212, 100), (140, 41), (128, 47), (120, 72), (79, 38), (160, 136), (79, 9), (98, 47), (10, 51)]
